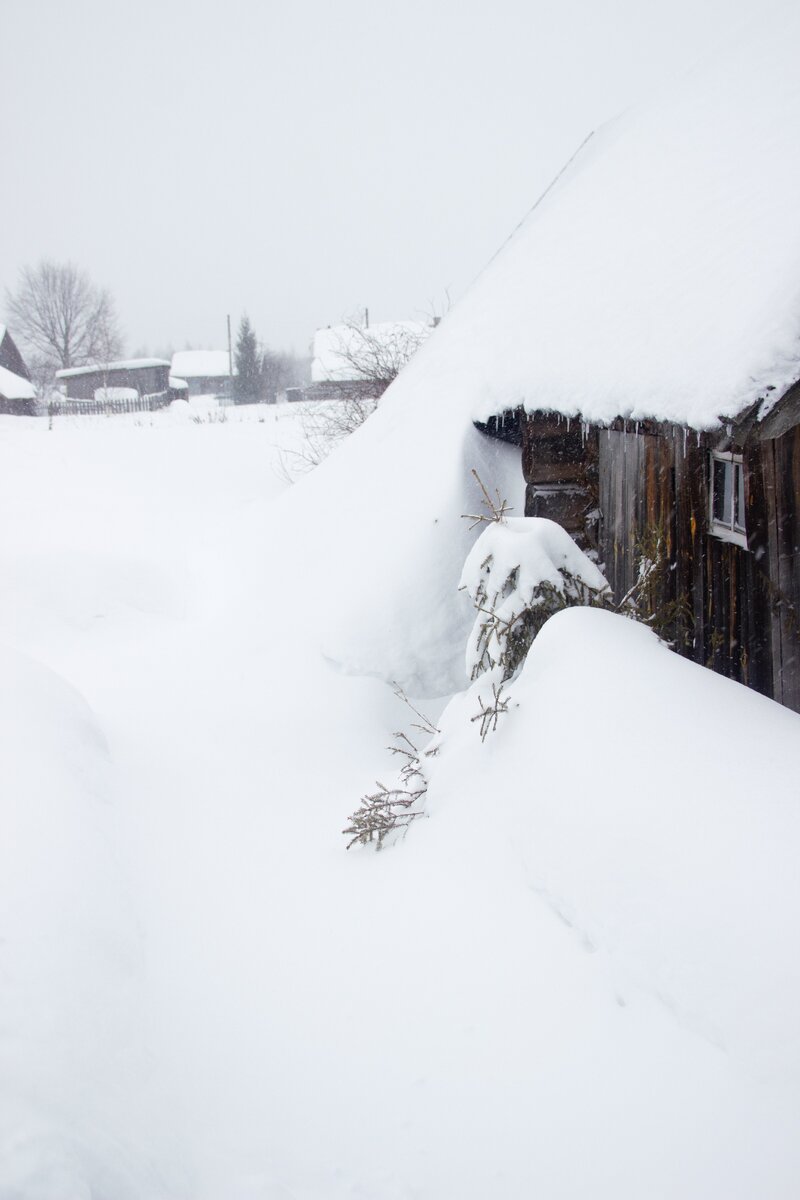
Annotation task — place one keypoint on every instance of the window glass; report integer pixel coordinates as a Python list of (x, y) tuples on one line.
[(727, 497), (723, 490), (738, 519)]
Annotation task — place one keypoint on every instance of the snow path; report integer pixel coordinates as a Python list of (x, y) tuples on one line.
[(316, 1024)]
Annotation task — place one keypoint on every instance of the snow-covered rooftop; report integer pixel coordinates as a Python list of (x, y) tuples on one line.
[(130, 364), (206, 364), (14, 387), (339, 350), (660, 275)]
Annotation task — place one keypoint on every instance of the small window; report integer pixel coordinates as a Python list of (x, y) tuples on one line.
[(727, 498)]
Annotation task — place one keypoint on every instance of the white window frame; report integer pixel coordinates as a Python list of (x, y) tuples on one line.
[(737, 534)]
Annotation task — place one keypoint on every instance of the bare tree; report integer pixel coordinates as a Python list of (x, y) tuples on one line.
[(62, 318), (377, 354), (363, 360), (325, 423)]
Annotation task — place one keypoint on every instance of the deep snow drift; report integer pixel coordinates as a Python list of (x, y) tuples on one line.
[(577, 977)]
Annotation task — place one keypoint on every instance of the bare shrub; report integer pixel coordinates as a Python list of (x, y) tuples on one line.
[(391, 810)]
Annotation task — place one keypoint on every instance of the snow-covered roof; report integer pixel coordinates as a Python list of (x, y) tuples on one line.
[(14, 387), (660, 275), (177, 384), (130, 364), (339, 349), (205, 364)]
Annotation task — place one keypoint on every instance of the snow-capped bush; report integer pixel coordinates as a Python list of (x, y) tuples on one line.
[(519, 572)]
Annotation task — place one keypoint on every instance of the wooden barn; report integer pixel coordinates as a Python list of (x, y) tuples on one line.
[(149, 377), (717, 514), (17, 393), (638, 335)]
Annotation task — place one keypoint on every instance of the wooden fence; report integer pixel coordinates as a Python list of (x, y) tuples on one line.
[(108, 408)]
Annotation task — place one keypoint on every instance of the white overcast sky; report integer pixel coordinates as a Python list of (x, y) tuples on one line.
[(302, 160)]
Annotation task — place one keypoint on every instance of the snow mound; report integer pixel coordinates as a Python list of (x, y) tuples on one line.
[(668, 841), (69, 952), (180, 411), (14, 387)]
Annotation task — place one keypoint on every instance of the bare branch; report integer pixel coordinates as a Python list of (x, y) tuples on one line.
[(496, 508)]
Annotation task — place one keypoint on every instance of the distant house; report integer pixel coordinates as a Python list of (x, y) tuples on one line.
[(359, 362), (148, 377), (17, 393), (205, 372), (10, 357)]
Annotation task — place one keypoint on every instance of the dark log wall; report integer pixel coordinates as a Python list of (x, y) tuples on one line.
[(559, 461), (148, 381), (18, 408), (654, 489), (636, 494), (731, 608), (780, 473)]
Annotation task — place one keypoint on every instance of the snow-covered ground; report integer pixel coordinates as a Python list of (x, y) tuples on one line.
[(577, 978)]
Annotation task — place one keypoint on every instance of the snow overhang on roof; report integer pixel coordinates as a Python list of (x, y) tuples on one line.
[(659, 277), (201, 364), (131, 364), (14, 387)]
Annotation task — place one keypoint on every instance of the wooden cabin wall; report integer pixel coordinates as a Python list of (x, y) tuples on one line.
[(731, 608), (559, 462), (780, 470), (636, 494), (653, 489)]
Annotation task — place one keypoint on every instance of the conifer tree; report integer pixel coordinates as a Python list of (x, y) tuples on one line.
[(247, 380)]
